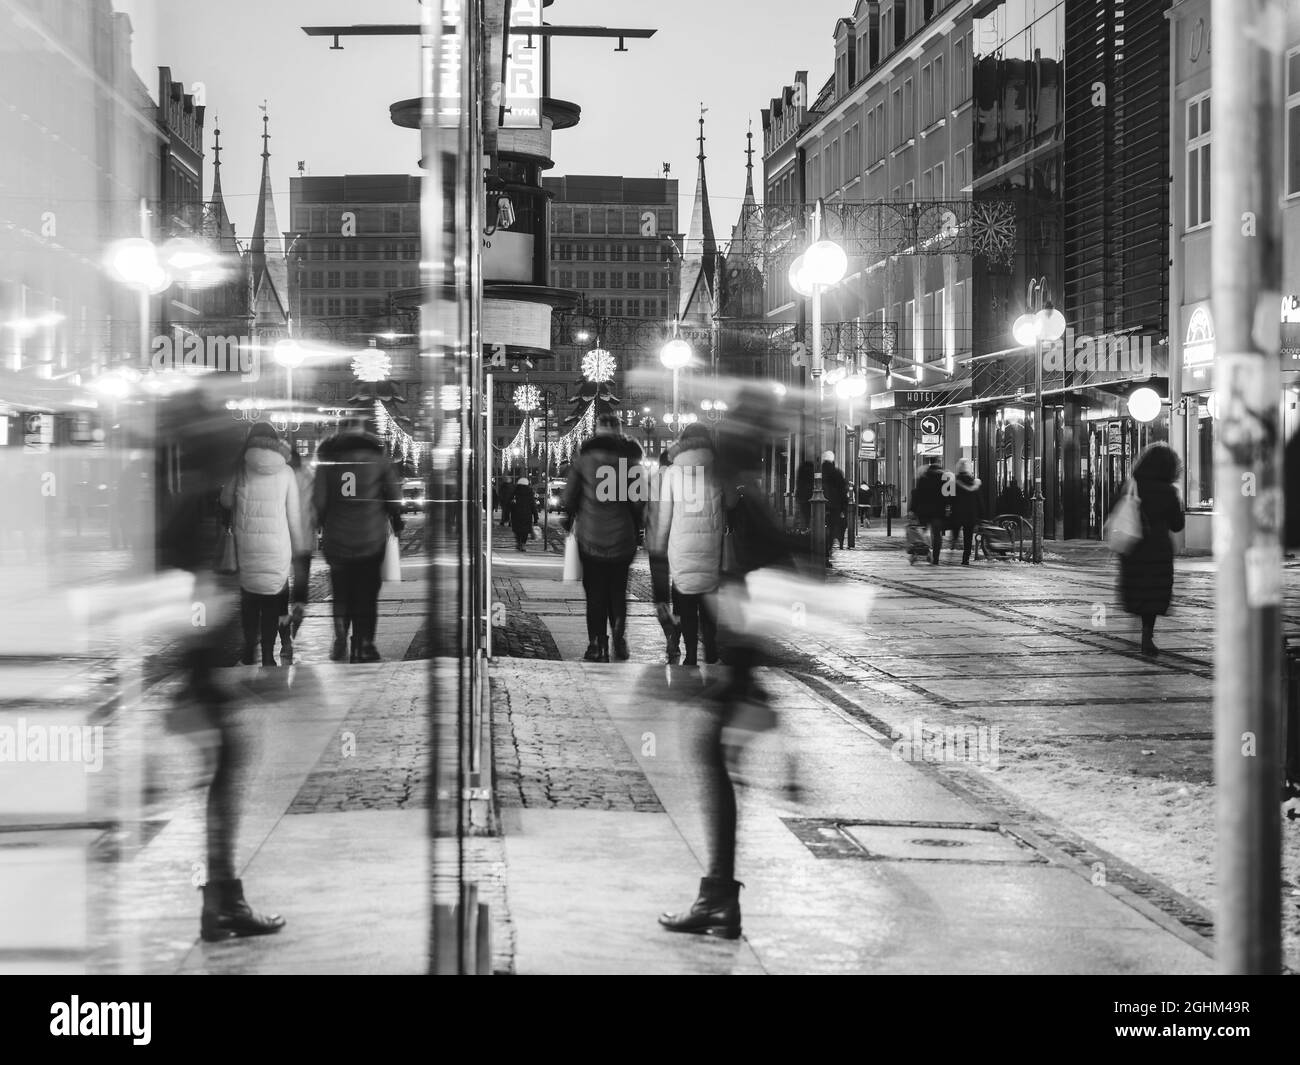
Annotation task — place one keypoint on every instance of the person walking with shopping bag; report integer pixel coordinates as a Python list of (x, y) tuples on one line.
[(358, 503), (1146, 564), (688, 529), (606, 522), (266, 517)]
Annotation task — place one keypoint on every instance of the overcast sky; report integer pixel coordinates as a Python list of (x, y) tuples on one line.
[(639, 108)]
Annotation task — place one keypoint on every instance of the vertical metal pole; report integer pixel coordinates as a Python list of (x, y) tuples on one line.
[(1246, 253), (817, 507), (676, 409), (1038, 452), (489, 523)]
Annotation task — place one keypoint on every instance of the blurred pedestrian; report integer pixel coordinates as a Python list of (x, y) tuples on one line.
[(660, 579), (688, 529), (266, 516), (803, 490), (835, 487), (930, 505), (1012, 499), (523, 512), (301, 558), (358, 500), (756, 540), (967, 508), (606, 520), (1146, 573), (186, 536)]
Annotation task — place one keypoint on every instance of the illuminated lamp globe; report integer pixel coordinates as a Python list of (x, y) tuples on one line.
[(826, 263), (1144, 404), (800, 278), (675, 354), (852, 387), (1051, 323), (289, 354), (1025, 330)]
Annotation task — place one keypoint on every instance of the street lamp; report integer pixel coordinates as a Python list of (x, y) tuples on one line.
[(1042, 323), (675, 355), (823, 265), (289, 354), (714, 409)]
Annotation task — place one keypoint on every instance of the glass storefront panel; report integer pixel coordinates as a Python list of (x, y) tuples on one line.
[(1199, 453)]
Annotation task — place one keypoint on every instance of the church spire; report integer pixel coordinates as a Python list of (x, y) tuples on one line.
[(700, 253), (749, 164), (270, 276)]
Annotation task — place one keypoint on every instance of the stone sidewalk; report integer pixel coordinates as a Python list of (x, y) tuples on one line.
[(599, 808)]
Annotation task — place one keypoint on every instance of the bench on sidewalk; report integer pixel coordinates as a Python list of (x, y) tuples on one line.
[(996, 538)]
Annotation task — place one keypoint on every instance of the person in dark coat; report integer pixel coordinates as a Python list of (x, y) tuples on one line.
[(803, 490), (1012, 499), (608, 521), (1146, 574), (523, 512), (930, 505), (967, 510), (835, 487)]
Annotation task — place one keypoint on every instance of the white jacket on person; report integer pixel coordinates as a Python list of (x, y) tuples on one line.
[(689, 521), (267, 517)]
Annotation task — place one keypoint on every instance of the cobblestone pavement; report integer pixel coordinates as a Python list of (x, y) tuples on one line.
[(558, 749)]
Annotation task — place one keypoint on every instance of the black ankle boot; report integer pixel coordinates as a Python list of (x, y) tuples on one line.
[(339, 652), (355, 654), (603, 645), (715, 913), (368, 652), (226, 913), (620, 641), (592, 653), (286, 644)]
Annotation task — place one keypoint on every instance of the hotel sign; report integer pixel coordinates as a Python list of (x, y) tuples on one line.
[(1198, 346), (523, 89)]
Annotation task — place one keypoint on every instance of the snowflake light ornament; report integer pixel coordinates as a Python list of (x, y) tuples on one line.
[(598, 365), (527, 397)]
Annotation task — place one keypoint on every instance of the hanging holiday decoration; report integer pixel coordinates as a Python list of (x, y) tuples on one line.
[(372, 365), (598, 366), (528, 397)]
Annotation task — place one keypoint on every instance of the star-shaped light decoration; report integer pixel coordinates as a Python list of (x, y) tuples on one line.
[(372, 365), (528, 397), (598, 365)]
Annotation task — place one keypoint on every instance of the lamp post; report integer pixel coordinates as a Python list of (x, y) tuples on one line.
[(289, 354), (675, 355), (822, 266), (851, 387), (1042, 322)]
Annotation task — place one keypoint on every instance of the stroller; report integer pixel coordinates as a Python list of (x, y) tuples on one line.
[(918, 542)]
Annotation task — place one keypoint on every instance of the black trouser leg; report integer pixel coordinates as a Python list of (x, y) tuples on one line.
[(223, 799), (967, 532), (341, 587), (687, 608), (1148, 627), (250, 608), (301, 576), (271, 609), (708, 626), (936, 540), (595, 581), (616, 590), (369, 578), (719, 801)]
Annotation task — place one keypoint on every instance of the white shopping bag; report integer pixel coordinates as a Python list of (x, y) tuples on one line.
[(572, 560), (392, 571)]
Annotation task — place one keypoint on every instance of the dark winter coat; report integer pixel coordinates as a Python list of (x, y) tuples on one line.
[(599, 501), (835, 488), (929, 504), (1146, 574), (523, 509), (357, 496), (967, 509)]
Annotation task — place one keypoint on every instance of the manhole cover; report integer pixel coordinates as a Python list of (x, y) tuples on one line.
[(899, 841)]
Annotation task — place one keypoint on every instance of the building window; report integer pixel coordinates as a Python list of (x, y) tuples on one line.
[(584, 253), (581, 220), (599, 307), (598, 279), (1200, 454), (633, 279), (616, 279), (315, 278), (315, 305), (393, 220), (939, 191), (566, 279), (634, 308), (909, 109), (390, 279), (370, 279), (1198, 161), (937, 108), (616, 308), (616, 253), (350, 306), (1293, 122), (909, 192), (332, 306), (349, 251), (927, 94), (349, 279), (896, 99), (959, 176), (584, 279)]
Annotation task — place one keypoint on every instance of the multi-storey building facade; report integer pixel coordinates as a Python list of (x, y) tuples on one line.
[(1192, 337), (613, 240), (890, 126), (355, 249)]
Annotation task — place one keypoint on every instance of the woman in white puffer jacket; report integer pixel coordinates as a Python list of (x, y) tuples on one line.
[(688, 527), (266, 518)]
